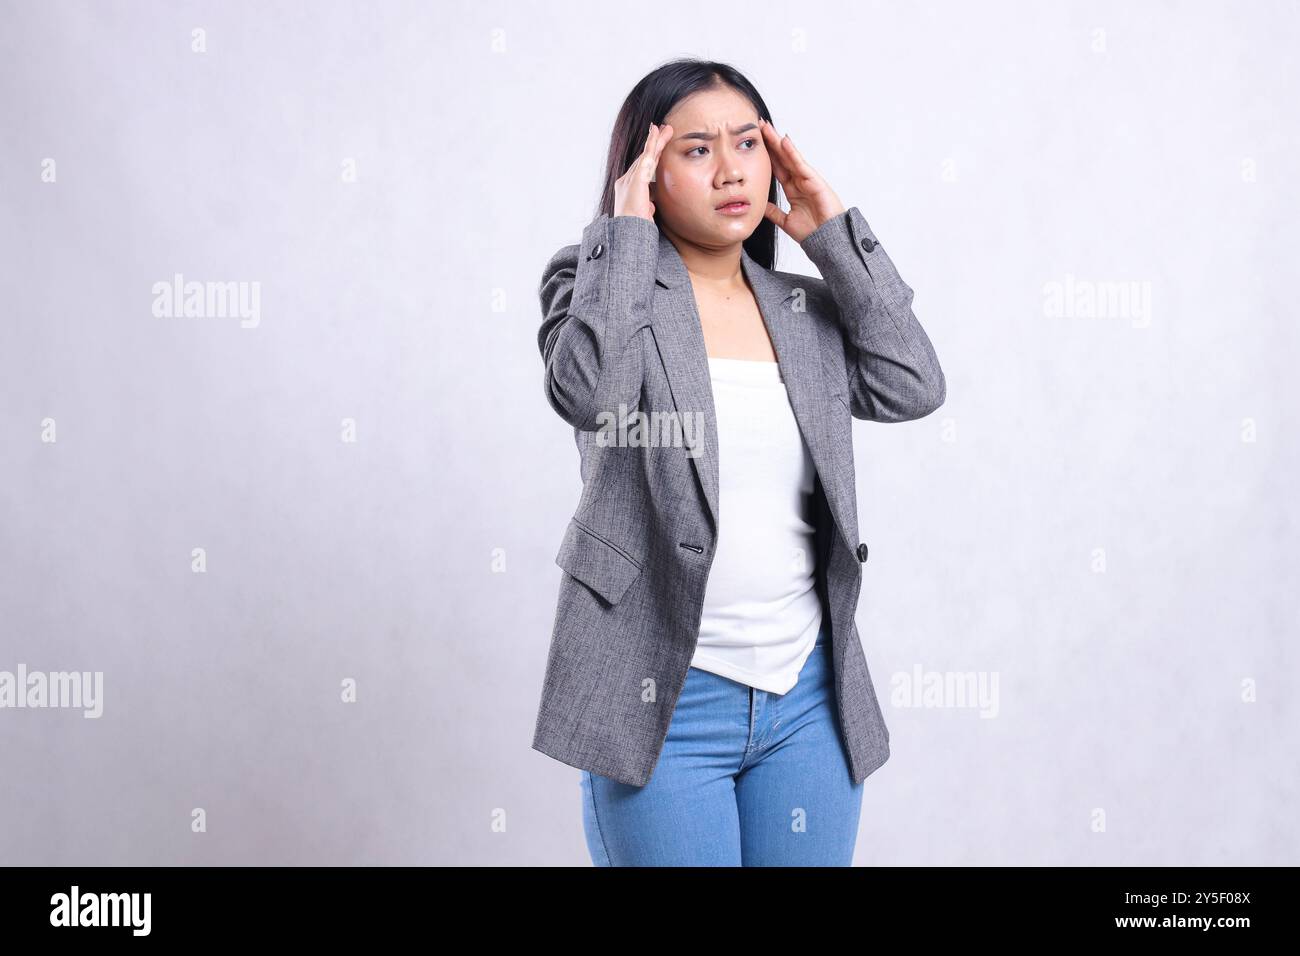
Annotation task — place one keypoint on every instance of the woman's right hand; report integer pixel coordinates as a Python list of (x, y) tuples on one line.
[(632, 189)]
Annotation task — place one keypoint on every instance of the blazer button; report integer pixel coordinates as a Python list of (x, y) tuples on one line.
[(868, 244), (595, 253), (862, 551)]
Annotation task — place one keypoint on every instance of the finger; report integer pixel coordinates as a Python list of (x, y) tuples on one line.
[(775, 142), (665, 136), (789, 161), (769, 130), (783, 175), (780, 167), (782, 160), (774, 213), (799, 164), (648, 161), (634, 167)]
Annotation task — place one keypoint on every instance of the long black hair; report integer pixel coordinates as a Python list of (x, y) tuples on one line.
[(650, 101)]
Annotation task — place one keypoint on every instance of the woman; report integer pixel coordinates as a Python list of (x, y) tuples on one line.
[(705, 671)]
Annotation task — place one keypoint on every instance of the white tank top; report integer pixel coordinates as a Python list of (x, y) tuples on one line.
[(761, 609)]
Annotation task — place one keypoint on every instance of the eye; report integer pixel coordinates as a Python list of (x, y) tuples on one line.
[(743, 141)]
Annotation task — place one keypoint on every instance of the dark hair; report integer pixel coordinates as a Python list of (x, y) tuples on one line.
[(650, 101)]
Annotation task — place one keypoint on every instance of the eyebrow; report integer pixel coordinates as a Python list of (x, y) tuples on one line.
[(712, 136)]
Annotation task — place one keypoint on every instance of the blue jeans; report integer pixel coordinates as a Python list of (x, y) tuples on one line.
[(746, 777)]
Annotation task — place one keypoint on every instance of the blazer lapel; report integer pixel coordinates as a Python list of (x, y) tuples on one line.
[(680, 339)]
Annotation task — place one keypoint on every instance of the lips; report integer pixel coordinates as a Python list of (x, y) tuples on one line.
[(734, 203)]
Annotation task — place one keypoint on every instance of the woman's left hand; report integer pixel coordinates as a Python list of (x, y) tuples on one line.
[(812, 201)]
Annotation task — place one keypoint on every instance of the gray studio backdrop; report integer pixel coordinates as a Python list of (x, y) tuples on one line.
[(300, 547)]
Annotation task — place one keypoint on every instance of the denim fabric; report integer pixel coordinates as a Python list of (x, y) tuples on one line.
[(746, 778)]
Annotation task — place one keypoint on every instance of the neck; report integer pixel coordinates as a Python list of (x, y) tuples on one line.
[(717, 268)]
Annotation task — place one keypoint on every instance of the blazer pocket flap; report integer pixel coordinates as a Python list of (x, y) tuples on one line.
[(595, 562)]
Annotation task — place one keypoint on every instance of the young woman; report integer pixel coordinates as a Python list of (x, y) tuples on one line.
[(705, 671)]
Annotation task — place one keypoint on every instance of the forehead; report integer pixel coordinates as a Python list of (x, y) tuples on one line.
[(711, 110)]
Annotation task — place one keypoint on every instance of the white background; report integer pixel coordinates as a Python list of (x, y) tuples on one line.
[(994, 147)]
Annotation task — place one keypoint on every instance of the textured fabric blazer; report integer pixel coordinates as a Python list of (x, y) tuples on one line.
[(620, 329)]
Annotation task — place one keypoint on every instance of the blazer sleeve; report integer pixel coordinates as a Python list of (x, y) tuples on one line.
[(595, 297), (893, 372)]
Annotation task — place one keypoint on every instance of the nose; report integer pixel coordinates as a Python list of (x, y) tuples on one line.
[(729, 167)]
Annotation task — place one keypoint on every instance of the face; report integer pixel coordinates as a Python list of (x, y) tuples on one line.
[(717, 152)]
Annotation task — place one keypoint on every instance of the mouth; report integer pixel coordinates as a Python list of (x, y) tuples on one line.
[(734, 207)]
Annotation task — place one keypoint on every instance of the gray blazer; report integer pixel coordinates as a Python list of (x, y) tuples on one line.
[(620, 327)]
